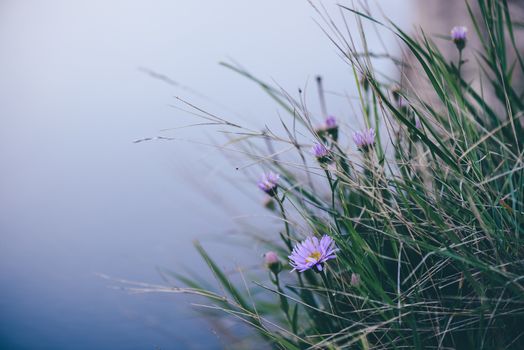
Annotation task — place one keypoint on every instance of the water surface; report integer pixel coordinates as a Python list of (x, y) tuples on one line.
[(78, 197)]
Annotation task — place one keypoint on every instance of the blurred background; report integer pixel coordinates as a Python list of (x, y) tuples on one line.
[(79, 198)]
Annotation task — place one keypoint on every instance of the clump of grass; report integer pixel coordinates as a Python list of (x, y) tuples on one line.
[(425, 206)]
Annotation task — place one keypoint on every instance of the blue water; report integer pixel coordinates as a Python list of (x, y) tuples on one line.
[(78, 197)]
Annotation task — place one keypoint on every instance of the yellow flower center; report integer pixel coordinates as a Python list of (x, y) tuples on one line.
[(314, 257)]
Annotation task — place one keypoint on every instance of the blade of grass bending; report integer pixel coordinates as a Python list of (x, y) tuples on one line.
[(222, 278)]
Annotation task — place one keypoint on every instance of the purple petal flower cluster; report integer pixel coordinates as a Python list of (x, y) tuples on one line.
[(319, 151), (364, 139), (331, 122), (459, 33), (312, 253), (459, 36), (268, 183), (329, 127)]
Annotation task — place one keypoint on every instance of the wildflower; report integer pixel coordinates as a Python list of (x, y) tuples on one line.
[(329, 127), (269, 183), (355, 279), (364, 139), (321, 153), (272, 262), (312, 253), (459, 36), (331, 122)]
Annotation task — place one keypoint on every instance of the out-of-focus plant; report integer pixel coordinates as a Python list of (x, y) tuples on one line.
[(410, 235)]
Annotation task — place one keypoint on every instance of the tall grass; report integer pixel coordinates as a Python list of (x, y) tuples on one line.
[(429, 220)]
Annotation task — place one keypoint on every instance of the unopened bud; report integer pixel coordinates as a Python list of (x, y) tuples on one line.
[(272, 262), (459, 36)]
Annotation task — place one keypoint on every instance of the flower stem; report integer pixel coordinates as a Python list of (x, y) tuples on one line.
[(287, 238), (331, 297), (332, 187), (460, 66), (284, 305)]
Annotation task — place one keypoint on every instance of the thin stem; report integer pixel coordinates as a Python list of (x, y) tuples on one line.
[(330, 293), (284, 305), (460, 67), (332, 187), (287, 238)]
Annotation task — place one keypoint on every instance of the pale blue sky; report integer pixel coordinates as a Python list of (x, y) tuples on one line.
[(79, 197)]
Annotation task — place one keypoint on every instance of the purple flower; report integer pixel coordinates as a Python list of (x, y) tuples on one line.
[(459, 36), (321, 153), (459, 33), (331, 127), (331, 122), (319, 150), (312, 253), (364, 139), (268, 183), (328, 128)]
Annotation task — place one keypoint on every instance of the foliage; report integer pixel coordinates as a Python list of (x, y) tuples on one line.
[(428, 220)]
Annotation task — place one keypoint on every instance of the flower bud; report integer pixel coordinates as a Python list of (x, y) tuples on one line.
[(331, 122), (328, 129), (321, 153), (364, 139), (272, 262), (331, 127), (269, 183), (459, 36)]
